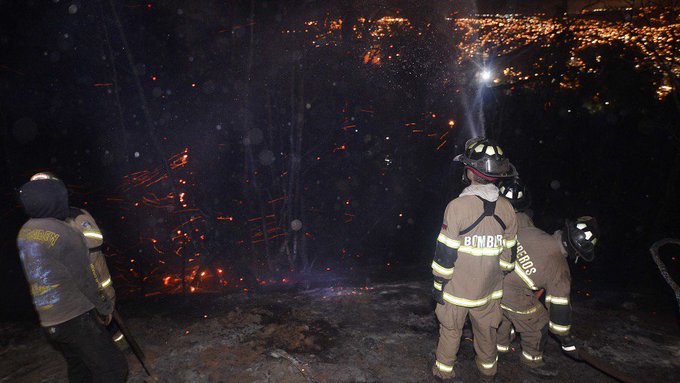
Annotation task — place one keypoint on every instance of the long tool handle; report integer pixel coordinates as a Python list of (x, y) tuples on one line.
[(133, 344)]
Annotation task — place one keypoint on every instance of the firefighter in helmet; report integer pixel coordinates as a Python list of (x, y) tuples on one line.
[(542, 264), (518, 194), (476, 245)]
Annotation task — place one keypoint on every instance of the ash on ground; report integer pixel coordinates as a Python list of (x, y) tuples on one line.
[(382, 333)]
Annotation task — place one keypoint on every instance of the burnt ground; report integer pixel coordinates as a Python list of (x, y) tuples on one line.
[(383, 333)]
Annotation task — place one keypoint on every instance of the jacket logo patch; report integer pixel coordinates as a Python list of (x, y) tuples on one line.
[(86, 225), (444, 226), (484, 241)]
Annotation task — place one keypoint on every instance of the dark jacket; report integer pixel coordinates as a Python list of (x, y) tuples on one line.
[(55, 257)]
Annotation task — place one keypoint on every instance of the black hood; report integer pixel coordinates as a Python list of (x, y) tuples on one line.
[(45, 199)]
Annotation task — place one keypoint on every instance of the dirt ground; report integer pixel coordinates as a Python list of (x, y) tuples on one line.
[(382, 333)]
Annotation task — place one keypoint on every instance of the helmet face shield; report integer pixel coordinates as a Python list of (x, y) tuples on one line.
[(488, 165)]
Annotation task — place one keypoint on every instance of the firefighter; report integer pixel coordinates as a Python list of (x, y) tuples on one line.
[(542, 264), (82, 221), (518, 194), (65, 294), (477, 243)]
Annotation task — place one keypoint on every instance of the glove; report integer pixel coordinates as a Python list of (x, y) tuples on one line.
[(570, 346), (438, 294)]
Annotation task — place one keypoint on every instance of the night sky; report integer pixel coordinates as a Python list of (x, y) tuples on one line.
[(234, 144)]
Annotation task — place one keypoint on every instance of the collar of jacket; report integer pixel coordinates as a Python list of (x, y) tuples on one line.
[(488, 192)]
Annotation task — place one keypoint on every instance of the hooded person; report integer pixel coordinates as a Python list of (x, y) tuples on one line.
[(83, 221), (63, 288)]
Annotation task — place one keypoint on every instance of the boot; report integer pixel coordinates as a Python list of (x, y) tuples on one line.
[(455, 379)]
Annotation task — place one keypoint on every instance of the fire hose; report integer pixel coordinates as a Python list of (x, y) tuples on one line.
[(134, 345), (662, 268), (605, 367)]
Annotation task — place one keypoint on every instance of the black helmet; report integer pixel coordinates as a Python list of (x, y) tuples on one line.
[(517, 193), (44, 176), (579, 237), (485, 158)]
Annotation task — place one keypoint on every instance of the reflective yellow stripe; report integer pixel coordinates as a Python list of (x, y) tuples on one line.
[(525, 312), (93, 234), (437, 285), (481, 251), (452, 243), (441, 269), (118, 338), (443, 367), (524, 277), (472, 302), (502, 348), (106, 282), (557, 300), (559, 328), (506, 265), (489, 365), (532, 358), (509, 243)]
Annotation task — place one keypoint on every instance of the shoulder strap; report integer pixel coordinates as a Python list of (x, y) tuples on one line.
[(489, 211), (500, 222)]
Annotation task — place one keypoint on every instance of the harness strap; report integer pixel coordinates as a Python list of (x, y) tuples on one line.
[(500, 221), (489, 211)]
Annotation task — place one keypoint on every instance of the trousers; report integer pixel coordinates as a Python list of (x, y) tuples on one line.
[(89, 351), (532, 327), (485, 321)]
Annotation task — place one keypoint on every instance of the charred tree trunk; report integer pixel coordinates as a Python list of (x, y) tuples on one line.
[(116, 89), (293, 208), (252, 186)]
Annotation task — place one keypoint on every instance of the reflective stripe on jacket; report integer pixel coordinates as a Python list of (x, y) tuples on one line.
[(472, 263), (540, 265)]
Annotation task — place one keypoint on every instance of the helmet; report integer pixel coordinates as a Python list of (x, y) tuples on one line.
[(44, 176), (485, 158), (517, 193), (579, 237)]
